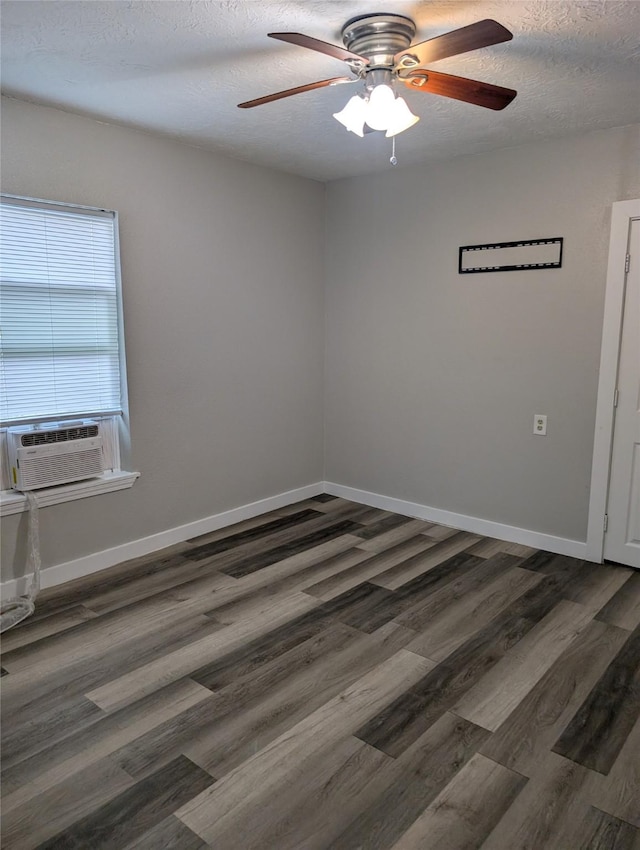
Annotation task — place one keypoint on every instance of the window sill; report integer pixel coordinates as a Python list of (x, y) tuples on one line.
[(12, 502)]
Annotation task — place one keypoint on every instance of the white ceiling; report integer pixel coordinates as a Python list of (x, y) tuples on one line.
[(179, 68)]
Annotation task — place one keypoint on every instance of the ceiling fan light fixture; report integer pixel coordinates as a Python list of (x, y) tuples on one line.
[(382, 110), (401, 119), (379, 51), (353, 116)]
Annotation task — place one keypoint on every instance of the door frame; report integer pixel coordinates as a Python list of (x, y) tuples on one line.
[(622, 213)]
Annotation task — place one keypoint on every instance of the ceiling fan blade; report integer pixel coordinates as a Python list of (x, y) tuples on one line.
[(320, 84), (481, 34), (321, 46), (459, 88)]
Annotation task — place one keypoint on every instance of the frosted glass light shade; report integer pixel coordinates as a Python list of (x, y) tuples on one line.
[(380, 108), (353, 115), (401, 118)]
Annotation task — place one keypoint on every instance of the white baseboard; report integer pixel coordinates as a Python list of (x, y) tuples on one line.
[(548, 542), (145, 545)]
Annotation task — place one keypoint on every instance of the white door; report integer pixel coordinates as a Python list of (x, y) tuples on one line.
[(622, 539)]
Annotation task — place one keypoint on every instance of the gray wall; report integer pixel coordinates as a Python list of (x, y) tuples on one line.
[(222, 267), (432, 379)]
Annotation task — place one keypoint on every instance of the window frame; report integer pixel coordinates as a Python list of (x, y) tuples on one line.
[(63, 206), (13, 501)]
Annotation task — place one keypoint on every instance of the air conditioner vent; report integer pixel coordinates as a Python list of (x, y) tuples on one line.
[(54, 456), (60, 469), (60, 435)]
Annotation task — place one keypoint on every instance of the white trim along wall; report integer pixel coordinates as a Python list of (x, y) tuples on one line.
[(97, 561), (485, 527), (80, 567), (621, 215)]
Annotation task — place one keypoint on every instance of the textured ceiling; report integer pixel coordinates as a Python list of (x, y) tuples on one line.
[(179, 68)]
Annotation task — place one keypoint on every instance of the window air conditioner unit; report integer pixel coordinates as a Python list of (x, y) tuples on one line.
[(54, 455)]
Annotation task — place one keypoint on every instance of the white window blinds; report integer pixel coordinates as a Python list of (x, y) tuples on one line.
[(59, 312)]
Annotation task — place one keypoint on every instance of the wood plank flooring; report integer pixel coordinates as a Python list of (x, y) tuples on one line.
[(328, 677)]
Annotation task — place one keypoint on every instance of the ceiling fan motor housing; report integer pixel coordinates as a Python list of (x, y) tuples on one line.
[(378, 37)]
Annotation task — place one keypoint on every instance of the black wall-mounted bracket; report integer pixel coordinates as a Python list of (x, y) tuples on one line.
[(511, 256)]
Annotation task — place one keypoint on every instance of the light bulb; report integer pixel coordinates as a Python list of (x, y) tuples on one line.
[(353, 115), (380, 107)]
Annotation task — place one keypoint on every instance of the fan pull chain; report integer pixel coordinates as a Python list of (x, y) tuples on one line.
[(394, 159)]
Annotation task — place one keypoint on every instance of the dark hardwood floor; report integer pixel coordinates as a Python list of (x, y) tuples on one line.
[(328, 676)]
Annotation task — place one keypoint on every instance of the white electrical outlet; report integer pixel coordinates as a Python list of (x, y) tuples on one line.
[(540, 424)]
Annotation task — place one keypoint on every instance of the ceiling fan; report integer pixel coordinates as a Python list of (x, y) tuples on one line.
[(378, 50)]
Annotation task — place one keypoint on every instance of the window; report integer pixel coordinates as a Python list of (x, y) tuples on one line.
[(61, 346), (60, 343)]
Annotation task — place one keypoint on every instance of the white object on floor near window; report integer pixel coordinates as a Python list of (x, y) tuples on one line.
[(61, 347)]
